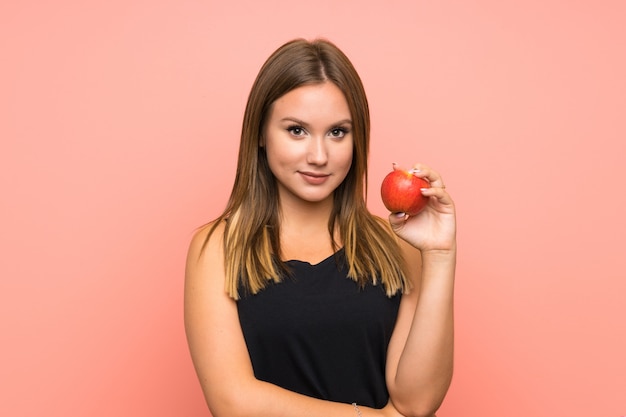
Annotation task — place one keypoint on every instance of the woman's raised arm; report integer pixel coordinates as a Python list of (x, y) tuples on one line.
[(420, 356)]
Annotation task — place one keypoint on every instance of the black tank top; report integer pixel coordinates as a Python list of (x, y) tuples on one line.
[(319, 334)]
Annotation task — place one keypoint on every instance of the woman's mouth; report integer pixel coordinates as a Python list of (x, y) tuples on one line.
[(314, 178)]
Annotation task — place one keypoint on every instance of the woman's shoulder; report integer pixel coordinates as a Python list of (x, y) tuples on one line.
[(206, 240)]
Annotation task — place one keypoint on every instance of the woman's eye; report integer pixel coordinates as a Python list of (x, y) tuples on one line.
[(338, 132), (295, 130)]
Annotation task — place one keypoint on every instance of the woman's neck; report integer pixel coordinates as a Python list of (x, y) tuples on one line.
[(304, 231), (304, 215)]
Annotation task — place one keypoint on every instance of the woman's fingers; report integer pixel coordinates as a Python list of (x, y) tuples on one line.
[(439, 192), (396, 220), (437, 184), (429, 174)]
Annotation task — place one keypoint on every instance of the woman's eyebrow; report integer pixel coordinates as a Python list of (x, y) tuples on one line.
[(305, 124), (295, 120), (344, 122)]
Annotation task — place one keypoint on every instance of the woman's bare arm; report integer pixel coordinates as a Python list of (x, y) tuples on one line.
[(420, 357)]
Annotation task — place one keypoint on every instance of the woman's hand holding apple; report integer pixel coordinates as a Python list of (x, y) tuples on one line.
[(422, 212)]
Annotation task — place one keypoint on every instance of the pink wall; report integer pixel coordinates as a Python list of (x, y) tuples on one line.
[(119, 124)]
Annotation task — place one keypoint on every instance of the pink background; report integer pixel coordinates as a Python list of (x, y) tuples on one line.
[(119, 125)]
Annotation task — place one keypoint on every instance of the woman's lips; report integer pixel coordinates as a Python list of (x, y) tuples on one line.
[(314, 178)]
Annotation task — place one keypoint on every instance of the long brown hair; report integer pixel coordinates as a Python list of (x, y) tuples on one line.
[(251, 237)]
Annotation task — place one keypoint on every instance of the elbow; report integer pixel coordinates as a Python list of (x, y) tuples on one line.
[(418, 405), (417, 411), (422, 400), (226, 408), (226, 403)]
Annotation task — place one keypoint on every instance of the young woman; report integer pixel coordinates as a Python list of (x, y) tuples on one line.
[(298, 301)]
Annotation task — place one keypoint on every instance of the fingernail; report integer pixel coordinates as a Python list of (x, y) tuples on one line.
[(400, 215)]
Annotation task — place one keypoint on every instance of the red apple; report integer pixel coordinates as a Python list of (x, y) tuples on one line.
[(401, 193)]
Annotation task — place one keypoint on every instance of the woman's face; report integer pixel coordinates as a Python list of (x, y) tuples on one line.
[(308, 141)]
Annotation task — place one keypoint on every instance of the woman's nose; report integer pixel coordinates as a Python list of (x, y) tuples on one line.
[(317, 152)]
